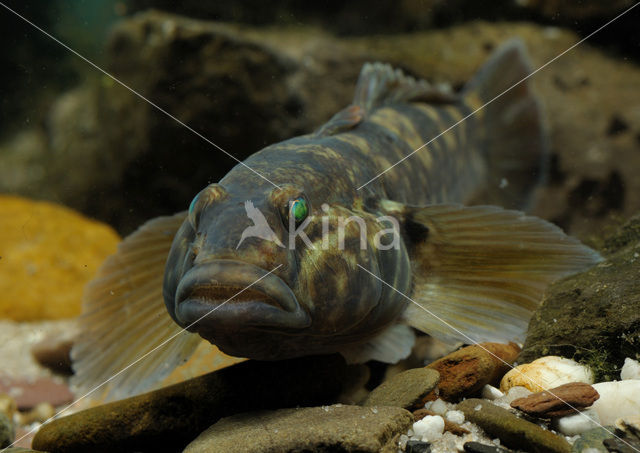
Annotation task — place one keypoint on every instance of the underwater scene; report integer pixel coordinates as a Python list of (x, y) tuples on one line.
[(394, 226)]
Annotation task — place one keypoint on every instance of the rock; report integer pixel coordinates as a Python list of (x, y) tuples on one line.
[(546, 372), (406, 389), (593, 439), (8, 405), (417, 446), (586, 9), (577, 423), (489, 392), (630, 424), (558, 401), (54, 353), (429, 428), (28, 393), (477, 447), (39, 414), (286, 81), (49, 252), (512, 394), (617, 399), (452, 426), (512, 431), (622, 445), (630, 369), (322, 429), (467, 370), (171, 417), (593, 316), (7, 431)]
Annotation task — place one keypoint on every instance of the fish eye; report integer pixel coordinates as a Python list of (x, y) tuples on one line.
[(203, 199), (298, 210)]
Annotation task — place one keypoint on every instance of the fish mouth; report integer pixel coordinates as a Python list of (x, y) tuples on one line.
[(227, 294)]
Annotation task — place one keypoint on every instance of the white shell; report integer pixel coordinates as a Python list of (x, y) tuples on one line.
[(617, 399), (630, 369), (546, 373)]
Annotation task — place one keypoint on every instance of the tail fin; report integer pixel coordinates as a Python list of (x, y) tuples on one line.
[(515, 134)]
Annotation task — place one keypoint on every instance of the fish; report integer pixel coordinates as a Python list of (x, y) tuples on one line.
[(403, 213)]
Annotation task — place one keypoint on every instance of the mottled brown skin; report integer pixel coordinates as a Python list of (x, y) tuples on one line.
[(345, 304)]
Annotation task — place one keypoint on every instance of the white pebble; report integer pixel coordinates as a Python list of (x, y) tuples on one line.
[(574, 424), (429, 428), (545, 373), (489, 392), (439, 407), (630, 369), (455, 417), (617, 399)]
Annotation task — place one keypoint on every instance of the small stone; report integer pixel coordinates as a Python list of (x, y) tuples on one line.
[(577, 423), (7, 405), (439, 407), (513, 394), (467, 370), (617, 399), (29, 394), (429, 428), (489, 392), (39, 414), (417, 446), (558, 401), (7, 431), (592, 439), (54, 353), (630, 369), (630, 424), (304, 429), (546, 372), (455, 417), (406, 389), (512, 431), (477, 447)]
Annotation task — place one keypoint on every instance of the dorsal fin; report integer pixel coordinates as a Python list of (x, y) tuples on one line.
[(380, 84), (344, 120)]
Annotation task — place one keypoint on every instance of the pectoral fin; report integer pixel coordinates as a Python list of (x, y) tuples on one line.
[(390, 346), (124, 318), (480, 272)]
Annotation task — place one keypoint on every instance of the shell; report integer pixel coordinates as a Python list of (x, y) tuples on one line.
[(617, 399), (545, 373)]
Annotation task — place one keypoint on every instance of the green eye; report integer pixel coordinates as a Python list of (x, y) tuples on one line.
[(298, 209)]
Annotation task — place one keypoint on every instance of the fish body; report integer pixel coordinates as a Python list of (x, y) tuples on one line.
[(340, 248)]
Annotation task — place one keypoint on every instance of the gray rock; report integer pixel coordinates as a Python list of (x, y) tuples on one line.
[(405, 389), (512, 431), (594, 316), (317, 429), (477, 447), (416, 446), (169, 418), (593, 439), (7, 431)]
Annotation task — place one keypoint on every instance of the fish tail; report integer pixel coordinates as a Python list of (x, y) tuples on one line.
[(514, 136)]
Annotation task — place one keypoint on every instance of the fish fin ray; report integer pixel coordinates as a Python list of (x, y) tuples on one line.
[(390, 346), (111, 337), (515, 134), (483, 269), (342, 121), (381, 84)]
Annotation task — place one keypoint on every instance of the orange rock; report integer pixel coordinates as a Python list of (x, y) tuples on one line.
[(465, 371), (48, 253)]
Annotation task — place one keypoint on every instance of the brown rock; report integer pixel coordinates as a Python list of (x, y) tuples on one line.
[(465, 371), (29, 393), (453, 428), (406, 389), (559, 401), (54, 354)]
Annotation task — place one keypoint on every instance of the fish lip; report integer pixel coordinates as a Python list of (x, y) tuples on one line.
[(281, 305)]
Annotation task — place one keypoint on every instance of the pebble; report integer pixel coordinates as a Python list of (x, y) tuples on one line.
[(449, 426), (439, 407), (558, 401), (591, 440), (477, 447), (429, 428), (7, 431), (546, 372), (406, 389), (417, 446), (466, 371), (617, 399), (489, 392), (169, 418), (54, 353), (629, 424), (39, 414), (341, 428), (630, 369), (7, 405), (574, 424), (455, 417), (512, 431)]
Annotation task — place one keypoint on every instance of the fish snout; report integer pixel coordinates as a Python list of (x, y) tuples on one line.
[(226, 293)]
